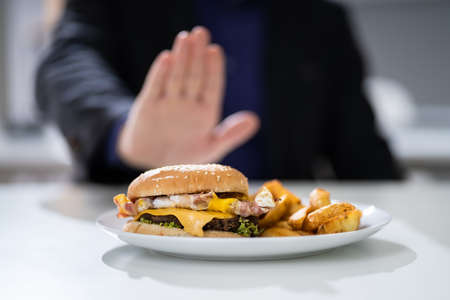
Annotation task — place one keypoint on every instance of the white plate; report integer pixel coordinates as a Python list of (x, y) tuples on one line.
[(373, 219)]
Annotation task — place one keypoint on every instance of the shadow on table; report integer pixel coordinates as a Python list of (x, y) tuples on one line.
[(313, 273)]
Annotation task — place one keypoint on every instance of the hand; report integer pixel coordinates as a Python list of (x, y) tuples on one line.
[(175, 117)]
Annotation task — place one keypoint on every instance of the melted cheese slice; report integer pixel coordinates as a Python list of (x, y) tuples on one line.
[(192, 220), (221, 204)]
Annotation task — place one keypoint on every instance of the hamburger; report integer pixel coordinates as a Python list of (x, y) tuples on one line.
[(190, 200)]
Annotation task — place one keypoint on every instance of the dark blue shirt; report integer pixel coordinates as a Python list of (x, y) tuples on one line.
[(238, 26)]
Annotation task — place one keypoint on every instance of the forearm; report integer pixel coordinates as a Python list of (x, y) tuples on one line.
[(77, 85), (84, 112)]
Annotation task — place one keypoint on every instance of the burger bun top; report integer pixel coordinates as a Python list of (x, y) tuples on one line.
[(187, 179)]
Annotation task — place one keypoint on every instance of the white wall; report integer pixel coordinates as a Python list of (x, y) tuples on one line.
[(2, 65), (23, 41), (408, 41)]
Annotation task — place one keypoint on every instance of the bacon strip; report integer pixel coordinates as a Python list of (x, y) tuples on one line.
[(248, 208), (125, 206), (190, 201)]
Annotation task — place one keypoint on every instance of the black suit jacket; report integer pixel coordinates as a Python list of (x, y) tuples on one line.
[(102, 50)]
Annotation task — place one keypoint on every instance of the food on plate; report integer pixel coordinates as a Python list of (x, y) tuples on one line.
[(319, 198), (296, 220), (286, 203), (264, 197), (348, 221), (319, 217), (275, 213), (279, 231), (325, 214), (301, 232), (293, 208), (278, 190), (191, 200), (213, 201), (282, 224)]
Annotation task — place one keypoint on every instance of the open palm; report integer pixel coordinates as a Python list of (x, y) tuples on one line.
[(175, 118)]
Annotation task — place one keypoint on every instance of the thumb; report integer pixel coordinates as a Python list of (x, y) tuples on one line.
[(235, 130)]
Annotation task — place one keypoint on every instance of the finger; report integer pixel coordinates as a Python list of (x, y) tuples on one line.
[(204, 31), (235, 130), (195, 73), (180, 56), (154, 84), (214, 77)]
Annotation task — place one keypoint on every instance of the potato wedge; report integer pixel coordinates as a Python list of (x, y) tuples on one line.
[(282, 224), (348, 221), (276, 213), (293, 208), (279, 231), (303, 233), (325, 214), (319, 198), (296, 220), (278, 190)]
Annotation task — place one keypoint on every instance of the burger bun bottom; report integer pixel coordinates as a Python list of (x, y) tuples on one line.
[(154, 229)]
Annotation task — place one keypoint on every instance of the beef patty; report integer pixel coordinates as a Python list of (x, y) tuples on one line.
[(230, 224)]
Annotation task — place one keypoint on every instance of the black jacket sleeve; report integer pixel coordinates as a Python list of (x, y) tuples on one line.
[(77, 85), (357, 149)]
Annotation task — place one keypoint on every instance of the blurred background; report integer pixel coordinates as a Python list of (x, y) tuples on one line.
[(406, 44)]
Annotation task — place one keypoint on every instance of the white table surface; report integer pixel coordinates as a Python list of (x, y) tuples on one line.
[(50, 248)]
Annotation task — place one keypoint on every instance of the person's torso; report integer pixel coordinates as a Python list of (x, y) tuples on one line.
[(291, 92)]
